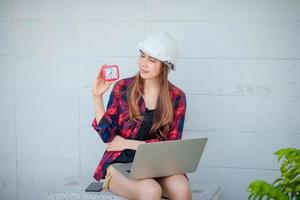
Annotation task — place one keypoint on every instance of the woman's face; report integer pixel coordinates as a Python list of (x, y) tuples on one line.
[(149, 67)]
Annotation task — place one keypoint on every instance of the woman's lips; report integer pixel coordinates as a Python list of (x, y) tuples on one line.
[(144, 71)]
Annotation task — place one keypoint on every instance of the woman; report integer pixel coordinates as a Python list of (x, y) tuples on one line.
[(144, 108)]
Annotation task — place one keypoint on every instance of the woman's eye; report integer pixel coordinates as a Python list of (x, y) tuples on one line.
[(152, 60), (142, 55)]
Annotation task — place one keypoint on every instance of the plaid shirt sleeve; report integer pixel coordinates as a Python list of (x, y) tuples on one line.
[(107, 125), (178, 121)]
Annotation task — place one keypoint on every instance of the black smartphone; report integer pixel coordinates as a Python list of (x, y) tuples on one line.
[(94, 187)]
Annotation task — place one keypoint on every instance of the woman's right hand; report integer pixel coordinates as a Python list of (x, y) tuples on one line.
[(100, 86)]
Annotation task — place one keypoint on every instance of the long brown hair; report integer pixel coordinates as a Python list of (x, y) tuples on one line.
[(163, 114)]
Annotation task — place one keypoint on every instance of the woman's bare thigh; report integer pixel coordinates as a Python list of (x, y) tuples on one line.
[(175, 185), (131, 189)]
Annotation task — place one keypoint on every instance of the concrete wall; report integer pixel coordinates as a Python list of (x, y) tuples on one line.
[(239, 66)]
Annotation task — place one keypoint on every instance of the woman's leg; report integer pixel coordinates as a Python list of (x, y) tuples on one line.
[(175, 187), (130, 189)]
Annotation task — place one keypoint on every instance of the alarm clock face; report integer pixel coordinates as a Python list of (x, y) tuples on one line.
[(110, 72)]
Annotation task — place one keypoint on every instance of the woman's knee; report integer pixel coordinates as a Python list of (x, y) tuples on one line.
[(177, 188), (150, 189), (184, 191)]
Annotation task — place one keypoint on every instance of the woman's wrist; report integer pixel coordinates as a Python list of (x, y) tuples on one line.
[(133, 144), (98, 96), (99, 108)]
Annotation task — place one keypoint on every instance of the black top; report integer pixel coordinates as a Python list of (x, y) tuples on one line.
[(127, 155)]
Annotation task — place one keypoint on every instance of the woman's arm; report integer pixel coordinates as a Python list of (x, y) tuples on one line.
[(105, 121), (99, 107), (133, 144), (119, 144), (100, 86)]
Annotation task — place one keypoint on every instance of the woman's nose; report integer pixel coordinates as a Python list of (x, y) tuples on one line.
[(144, 62)]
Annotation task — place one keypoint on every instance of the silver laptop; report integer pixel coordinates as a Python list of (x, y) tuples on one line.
[(166, 158)]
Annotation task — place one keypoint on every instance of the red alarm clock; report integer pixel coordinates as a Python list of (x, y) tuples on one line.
[(110, 72)]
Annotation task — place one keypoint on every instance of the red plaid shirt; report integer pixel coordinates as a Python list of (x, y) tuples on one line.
[(115, 121)]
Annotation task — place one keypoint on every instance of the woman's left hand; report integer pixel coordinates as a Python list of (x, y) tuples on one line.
[(117, 144)]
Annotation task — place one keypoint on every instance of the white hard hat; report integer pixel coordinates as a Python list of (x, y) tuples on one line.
[(161, 46)]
